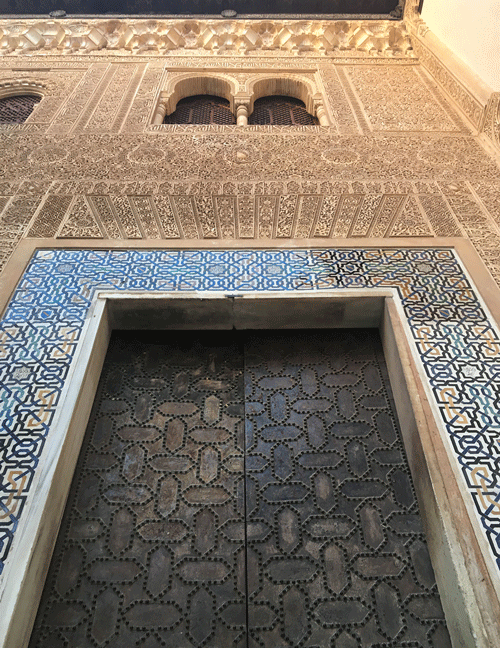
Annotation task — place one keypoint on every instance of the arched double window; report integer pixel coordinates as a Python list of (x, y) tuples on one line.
[(251, 99), (16, 109)]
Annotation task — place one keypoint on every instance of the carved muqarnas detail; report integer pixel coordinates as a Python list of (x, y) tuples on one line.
[(150, 37)]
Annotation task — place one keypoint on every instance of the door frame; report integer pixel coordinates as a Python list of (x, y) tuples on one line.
[(466, 575), (454, 547)]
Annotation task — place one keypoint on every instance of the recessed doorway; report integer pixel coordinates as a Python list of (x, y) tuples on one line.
[(242, 488)]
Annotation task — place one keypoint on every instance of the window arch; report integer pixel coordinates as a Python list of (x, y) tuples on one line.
[(285, 99), (15, 109), (281, 111), (287, 86), (201, 109), (191, 87)]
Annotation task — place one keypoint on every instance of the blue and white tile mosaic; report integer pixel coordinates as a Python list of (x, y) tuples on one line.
[(458, 345)]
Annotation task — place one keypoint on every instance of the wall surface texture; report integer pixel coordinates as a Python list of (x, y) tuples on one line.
[(396, 161)]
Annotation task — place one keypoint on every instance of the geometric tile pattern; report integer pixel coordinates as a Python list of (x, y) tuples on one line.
[(458, 345)]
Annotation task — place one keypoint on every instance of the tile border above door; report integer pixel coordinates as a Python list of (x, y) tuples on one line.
[(439, 337)]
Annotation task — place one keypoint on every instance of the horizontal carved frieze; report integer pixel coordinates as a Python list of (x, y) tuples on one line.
[(379, 38), (233, 216)]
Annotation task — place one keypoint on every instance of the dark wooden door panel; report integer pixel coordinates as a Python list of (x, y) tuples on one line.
[(165, 542), (151, 551), (336, 552)]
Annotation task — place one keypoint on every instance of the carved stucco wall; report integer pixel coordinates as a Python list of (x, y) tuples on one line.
[(397, 160)]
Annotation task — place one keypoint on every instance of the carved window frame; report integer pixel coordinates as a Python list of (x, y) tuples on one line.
[(18, 88), (242, 89)]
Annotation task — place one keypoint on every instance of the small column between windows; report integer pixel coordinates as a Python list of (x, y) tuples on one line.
[(242, 110), (242, 115)]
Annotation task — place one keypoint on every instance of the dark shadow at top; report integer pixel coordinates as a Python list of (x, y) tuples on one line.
[(354, 8)]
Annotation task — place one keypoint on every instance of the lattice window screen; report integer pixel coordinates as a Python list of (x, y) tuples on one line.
[(281, 111), (201, 109), (17, 109)]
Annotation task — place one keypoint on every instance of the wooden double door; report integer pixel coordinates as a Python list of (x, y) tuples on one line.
[(246, 490)]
